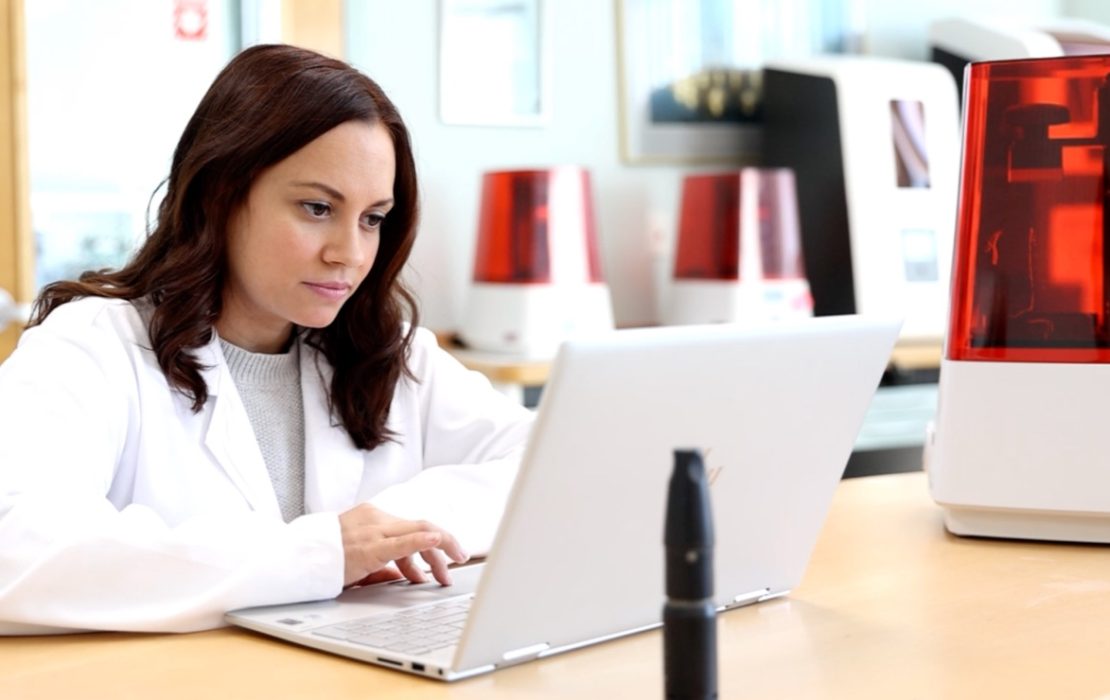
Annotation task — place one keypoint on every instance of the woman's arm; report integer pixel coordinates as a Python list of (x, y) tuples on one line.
[(473, 440), (73, 553)]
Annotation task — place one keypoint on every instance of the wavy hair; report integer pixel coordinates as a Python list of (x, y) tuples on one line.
[(266, 104)]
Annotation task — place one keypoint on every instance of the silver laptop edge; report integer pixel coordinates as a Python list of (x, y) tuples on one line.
[(585, 513)]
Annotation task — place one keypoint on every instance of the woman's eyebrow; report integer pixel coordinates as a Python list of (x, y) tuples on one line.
[(326, 189), (336, 194)]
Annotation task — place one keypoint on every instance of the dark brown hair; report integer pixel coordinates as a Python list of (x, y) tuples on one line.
[(267, 103)]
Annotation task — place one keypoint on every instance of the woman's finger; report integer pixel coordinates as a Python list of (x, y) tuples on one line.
[(388, 573), (438, 562), (396, 548), (453, 549), (400, 528), (448, 544), (410, 570)]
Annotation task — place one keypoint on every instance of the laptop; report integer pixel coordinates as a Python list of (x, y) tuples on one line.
[(578, 558)]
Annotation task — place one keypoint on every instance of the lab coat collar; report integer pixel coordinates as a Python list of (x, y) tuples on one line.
[(229, 435), (333, 465)]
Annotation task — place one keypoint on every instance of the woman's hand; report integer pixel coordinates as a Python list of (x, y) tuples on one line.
[(372, 539)]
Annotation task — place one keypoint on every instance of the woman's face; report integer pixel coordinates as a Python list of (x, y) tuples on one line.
[(306, 236)]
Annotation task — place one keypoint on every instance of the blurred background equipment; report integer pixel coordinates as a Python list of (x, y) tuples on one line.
[(956, 41), (874, 145), (537, 276), (739, 252)]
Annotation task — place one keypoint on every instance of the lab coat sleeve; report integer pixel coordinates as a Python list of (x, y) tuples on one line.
[(473, 438), (70, 560)]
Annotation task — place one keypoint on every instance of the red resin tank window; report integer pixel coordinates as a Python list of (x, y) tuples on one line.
[(536, 227), (714, 210), (709, 222), (1031, 239)]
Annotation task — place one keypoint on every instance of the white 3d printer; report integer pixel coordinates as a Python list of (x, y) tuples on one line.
[(537, 273), (874, 146), (738, 257), (956, 41), (1019, 447)]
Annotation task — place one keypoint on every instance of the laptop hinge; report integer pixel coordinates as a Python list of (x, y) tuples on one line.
[(748, 598), (527, 653)]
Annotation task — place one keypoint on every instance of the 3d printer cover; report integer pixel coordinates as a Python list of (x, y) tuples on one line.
[(537, 227), (1032, 236)]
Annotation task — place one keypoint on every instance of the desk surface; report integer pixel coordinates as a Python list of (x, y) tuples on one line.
[(891, 606)]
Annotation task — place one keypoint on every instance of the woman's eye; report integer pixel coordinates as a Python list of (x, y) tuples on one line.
[(373, 220), (317, 209)]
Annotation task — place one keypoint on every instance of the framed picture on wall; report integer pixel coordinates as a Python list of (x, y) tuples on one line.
[(494, 63), (690, 70)]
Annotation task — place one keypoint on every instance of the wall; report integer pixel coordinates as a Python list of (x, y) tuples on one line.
[(396, 44), (103, 125), (1096, 10), (900, 29)]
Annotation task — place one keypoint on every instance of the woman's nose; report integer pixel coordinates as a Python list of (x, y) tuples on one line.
[(347, 246)]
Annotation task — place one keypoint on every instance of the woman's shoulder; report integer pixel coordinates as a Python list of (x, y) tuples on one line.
[(423, 352), (423, 340), (120, 316), (421, 336)]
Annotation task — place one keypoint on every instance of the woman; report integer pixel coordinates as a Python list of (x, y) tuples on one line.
[(242, 415)]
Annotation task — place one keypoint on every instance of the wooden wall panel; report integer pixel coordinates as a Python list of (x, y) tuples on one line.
[(314, 24), (16, 245)]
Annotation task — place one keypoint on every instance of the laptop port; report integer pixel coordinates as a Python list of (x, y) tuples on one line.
[(417, 667), (390, 661)]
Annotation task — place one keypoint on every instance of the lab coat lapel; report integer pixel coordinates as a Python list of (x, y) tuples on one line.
[(230, 437), (333, 465)]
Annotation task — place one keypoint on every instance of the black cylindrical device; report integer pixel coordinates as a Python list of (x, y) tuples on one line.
[(689, 614)]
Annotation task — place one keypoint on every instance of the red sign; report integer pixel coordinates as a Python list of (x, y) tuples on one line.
[(190, 19)]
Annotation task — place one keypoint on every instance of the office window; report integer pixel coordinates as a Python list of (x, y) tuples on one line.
[(110, 86)]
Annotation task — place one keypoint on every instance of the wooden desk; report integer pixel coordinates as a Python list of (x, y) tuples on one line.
[(891, 607)]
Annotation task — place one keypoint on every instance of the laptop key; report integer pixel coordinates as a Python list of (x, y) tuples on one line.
[(413, 631), (332, 633)]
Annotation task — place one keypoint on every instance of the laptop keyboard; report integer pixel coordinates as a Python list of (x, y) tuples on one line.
[(412, 631)]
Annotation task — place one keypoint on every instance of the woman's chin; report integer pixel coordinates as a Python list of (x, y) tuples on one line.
[(316, 321)]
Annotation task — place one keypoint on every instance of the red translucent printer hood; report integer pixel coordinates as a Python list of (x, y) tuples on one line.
[(1032, 238), (716, 210), (537, 227)]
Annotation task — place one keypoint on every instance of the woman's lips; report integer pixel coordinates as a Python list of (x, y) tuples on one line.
[(332, 291)]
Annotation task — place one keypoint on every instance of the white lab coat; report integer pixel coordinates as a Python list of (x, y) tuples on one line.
[(122, 509)]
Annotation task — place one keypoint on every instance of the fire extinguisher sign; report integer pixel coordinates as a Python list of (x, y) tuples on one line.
[(190, 19)]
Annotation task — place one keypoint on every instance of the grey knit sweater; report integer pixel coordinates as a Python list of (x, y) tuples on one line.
[(270, 386)]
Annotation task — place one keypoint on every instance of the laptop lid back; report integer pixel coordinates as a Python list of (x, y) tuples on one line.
[(775, 411)]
